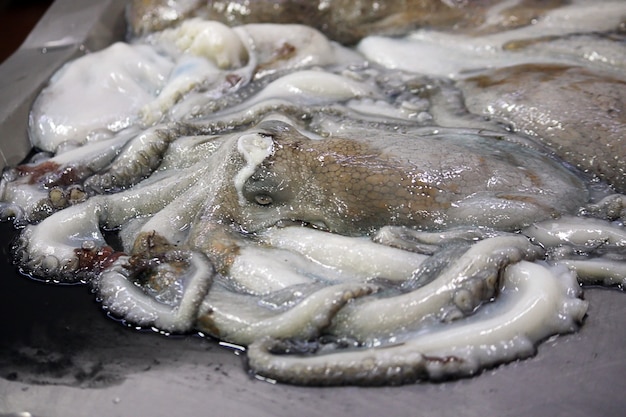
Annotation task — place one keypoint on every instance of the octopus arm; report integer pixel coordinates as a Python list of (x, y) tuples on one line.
[(96, 155), (598, 271), (428, 243), (124, 299), (457, 291), (536, 302), (174, 219), (148, 197), (363, 258), (31, 192), (50, 247), (262, 270), (586, 235), (190, 74), (301, 88), (237, 318), (297, 255), (138, 160)]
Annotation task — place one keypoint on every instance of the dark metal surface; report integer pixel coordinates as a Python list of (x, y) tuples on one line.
[(67, 29), (61, 356)]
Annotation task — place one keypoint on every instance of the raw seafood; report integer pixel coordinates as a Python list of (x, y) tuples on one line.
[(349, 223), (346, 21)]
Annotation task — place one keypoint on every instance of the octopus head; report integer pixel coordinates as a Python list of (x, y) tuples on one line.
[(335, 184), (271, 187)]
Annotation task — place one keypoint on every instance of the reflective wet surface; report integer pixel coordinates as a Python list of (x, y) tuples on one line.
[(61, 356)]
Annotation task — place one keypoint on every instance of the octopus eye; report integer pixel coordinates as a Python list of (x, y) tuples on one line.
[(263, 199)]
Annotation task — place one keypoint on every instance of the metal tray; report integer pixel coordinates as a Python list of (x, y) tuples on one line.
[(61, 356)]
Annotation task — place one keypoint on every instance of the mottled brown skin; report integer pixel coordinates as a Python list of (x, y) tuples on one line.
[(346, 21), (579, 114), (355, 186), (347, 180)]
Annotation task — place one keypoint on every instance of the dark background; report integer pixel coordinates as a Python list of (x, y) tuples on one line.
[(17, 18)]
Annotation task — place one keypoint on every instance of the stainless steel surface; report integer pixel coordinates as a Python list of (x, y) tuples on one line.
[(67, 29), (61, 356)]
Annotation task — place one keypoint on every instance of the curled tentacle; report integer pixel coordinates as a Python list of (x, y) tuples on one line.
[(74, 236), (590, 236), (429, 242), (239, 319), (535, 303), (598, 271), (461, 288), (138, 160), (33, 191), (611, 208), (169, 302)]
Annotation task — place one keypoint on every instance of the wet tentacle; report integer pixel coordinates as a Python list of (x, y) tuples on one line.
[(122, 298), (456, 292), (238, 319), (535, 303), (140, 158)]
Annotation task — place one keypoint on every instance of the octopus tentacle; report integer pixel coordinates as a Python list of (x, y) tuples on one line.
[(45, 186), (420, 241), (70, 245), (308, 87), (193, 74), (595, 249), (140, 158), (594, 235), (262, 270), (47, 249), (149, 196), (174, 218), (280, 257), (232, 317), (598, 271), (457, 291), (612, 207), (189, 275), (196, 105), (535, 303), (363, 258)]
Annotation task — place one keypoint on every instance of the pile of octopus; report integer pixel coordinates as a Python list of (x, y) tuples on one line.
[(350, 207)]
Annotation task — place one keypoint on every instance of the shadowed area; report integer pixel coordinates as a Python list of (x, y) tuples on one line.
[(58, 335)]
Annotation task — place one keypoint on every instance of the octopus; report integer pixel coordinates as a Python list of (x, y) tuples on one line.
[(342, 214), (345, 21)]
